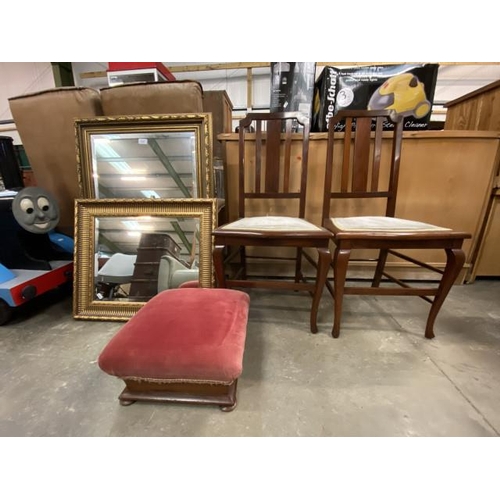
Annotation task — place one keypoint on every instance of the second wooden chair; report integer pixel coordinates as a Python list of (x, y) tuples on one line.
[(366, 176)]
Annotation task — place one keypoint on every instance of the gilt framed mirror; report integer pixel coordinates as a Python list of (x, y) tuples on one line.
[(157, 156), (128, 250)]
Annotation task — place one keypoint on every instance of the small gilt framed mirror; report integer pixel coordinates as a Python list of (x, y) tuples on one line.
[(157, 156), (128, 250)]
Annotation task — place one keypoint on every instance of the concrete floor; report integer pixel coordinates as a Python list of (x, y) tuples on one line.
[(380, 378)]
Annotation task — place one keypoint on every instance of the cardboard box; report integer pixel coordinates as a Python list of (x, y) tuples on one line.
[(292, 86), (407, 90), (325, 92)]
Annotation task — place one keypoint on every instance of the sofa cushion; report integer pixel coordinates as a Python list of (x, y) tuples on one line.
[(181, 96)]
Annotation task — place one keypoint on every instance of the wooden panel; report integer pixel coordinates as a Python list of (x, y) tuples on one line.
[(446, 178), (272, 179), (451, 189), (479, 110), (261, 206), (218, 103), (361, 154), (488, 263)]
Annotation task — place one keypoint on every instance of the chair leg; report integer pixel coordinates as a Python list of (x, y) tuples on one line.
[(218, 258), (243, 261), (324, 259), (454, 263), (298, 266), (382, 258), (341, 260)]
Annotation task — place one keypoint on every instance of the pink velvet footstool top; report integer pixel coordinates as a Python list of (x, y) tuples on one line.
[(184, 335)]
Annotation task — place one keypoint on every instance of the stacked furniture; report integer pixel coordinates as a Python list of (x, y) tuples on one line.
[(152, 247)]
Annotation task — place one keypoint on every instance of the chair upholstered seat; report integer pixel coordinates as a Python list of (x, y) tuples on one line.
[(382, 224), (182, 340), (272, 223)]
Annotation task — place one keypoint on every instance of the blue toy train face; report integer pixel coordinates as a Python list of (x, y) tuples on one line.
[(35, 210)]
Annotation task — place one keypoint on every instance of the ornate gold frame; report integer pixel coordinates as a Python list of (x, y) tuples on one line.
[(86, 212), (200, 123)]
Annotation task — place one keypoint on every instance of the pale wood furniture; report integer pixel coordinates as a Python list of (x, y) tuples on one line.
[(487, 261), (480, 110), (357, 178), (271, 208), (446, 179)]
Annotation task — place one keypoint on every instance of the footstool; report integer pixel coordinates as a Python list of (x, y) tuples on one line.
[(184, 345)]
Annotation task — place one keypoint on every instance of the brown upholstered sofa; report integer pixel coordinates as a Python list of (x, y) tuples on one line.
[(45, 122)]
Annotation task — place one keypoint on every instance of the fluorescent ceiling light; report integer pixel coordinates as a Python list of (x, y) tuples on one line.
[(150, 194), (104, 150), (122, 166), (131, 224)]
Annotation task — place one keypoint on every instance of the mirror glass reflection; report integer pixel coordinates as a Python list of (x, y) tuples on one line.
[(145, 164), (145, 157), (137, 257)]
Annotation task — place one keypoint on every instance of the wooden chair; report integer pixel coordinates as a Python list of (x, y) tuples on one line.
[(363, 175), (267, 185)]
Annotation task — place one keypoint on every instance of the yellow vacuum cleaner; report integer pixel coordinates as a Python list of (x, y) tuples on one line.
[(403, 94)]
